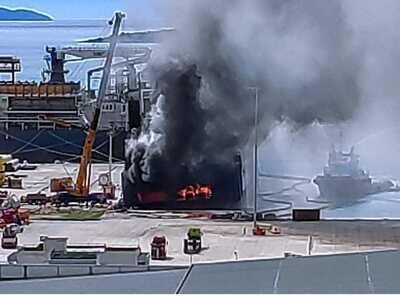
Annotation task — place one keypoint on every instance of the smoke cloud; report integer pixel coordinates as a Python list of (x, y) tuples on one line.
[(295, 52), (314, 63)]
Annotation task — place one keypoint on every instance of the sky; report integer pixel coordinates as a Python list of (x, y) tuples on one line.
[(83, 9)]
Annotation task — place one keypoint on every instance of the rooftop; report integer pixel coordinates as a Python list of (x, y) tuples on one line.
[(364, 272)]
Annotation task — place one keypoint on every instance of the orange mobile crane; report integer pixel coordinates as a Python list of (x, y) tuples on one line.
[(78, 192)]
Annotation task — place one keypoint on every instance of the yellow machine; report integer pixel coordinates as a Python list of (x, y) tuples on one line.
[(11, 181), (2, 172)]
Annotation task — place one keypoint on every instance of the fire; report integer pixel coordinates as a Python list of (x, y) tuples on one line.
[(194, 191)]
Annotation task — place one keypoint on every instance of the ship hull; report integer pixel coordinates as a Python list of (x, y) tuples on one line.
[(226, 198), (49, 145), (226, 193), (347, 187)]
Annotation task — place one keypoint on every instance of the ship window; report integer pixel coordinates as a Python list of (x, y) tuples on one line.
[(108, 107)]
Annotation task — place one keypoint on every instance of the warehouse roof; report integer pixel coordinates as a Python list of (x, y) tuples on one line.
[(369, 272), (373, 272), (164, 282)]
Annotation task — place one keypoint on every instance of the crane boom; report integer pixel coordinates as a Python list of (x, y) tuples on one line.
[(83, 179)]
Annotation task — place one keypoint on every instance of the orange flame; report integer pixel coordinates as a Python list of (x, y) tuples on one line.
[(194, 191)]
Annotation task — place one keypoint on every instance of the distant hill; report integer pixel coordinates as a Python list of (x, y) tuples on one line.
[(22, 15)]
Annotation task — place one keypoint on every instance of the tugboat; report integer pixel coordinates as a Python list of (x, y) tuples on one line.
[(343, 178)]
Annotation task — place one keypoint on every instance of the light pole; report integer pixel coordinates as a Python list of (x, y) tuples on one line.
[(255, 154), (110, 149)]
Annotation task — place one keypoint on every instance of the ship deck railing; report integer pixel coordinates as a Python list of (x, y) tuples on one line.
[(24, 123), (36, 123)]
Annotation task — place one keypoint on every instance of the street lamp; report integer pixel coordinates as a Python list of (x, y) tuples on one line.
[(255, 89), (110, 153)]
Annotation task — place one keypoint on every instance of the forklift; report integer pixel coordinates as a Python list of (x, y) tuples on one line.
[(192, 245)]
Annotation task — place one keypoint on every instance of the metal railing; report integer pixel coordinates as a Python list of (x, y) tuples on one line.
[(26, 122)]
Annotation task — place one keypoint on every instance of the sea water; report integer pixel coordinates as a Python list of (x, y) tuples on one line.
[(28, 40)]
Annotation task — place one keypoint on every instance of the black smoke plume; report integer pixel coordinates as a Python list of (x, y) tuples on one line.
[(297, 53)]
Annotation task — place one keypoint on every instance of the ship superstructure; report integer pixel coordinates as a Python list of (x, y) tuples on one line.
[(46, 121), (344, 179)]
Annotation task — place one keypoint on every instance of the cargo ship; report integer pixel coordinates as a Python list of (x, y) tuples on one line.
[(44, 122), (343, 179)]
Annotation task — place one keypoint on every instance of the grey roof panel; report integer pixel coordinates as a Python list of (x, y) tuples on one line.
[(141, 282), (232, 277), (324, 274), (384, 269), (344, 273)]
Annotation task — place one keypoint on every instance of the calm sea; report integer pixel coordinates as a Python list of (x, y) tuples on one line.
[(28, 40)]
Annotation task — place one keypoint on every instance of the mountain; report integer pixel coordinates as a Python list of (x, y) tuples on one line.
[(22, 15)]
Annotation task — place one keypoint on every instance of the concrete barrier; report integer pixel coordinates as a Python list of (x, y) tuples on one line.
[(25, 271), (74, 270), (41, 271), (105, 270), (11, 272)]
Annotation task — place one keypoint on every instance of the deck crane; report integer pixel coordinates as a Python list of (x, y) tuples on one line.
[(80, 190)]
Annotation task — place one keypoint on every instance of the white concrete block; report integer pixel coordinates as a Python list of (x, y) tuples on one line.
[(105, 270), (12, 271), (73, 270), (41, 271)]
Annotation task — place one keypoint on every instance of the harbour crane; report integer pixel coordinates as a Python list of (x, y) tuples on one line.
[(80, 190)]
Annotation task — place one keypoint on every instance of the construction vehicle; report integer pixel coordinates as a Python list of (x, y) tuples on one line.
[(8, 181), (159, 248), (9, 238), (14, 216), (12, 213), (79, 192), (61, 184), (192, 245), (36, 199)]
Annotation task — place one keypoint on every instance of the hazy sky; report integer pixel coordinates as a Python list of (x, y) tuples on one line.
[(83, 9)]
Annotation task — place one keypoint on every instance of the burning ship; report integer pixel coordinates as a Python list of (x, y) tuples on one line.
[(217, 189), (343, 178), (169, 167)]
